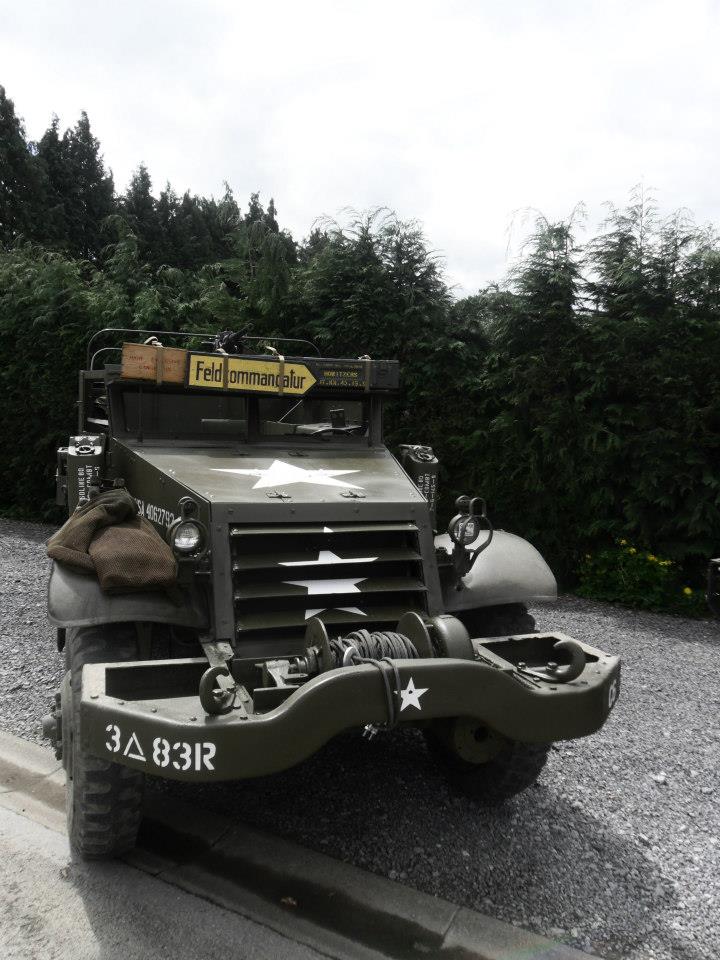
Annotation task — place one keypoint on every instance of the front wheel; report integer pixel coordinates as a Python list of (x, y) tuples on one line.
[(480, 763), (104, 800)]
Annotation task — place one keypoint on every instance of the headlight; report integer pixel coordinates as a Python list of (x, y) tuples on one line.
[(187, 537), (472, 530)]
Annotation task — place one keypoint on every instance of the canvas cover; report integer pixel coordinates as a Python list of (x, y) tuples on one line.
[(105, 536)]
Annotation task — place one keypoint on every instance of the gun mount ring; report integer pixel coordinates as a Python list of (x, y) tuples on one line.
[(214, 700)]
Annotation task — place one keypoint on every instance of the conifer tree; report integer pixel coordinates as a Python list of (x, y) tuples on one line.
[(52, 157), (189, 234), (90, 193), (21, 198), (140, 209)]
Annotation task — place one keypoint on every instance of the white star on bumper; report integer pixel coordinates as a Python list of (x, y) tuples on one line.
[(411, 695), (281, 474)]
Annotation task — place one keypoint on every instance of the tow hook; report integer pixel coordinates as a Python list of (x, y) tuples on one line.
[(553, 671), (52, 726), (218, 690)]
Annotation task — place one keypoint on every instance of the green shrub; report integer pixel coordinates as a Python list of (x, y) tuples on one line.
[(49, 307), (624, 574)]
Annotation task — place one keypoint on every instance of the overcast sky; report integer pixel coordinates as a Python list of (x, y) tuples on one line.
[(458, 114)]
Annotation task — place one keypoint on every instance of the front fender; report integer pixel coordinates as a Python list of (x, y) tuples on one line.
[(511, 570), (76, 600)]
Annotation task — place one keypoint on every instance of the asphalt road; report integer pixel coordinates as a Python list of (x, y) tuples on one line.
[(52, 907), (616, 850)]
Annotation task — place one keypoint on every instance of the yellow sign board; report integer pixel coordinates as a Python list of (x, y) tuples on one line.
[(206, 371), (257, 376)]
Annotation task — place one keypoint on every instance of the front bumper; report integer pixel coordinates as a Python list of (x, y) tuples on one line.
[(146, 714)]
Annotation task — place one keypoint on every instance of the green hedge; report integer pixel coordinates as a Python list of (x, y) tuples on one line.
[(580, 397)]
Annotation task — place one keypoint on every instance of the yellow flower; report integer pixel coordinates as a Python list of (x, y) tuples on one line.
[(623, 543), (665, 563), (687, 591), (652, 558), (632, 550)]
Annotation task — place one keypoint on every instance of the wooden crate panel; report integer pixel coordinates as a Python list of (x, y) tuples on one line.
[(144, 361)]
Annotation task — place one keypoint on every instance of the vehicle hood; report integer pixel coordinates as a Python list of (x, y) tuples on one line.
[(229, 476)]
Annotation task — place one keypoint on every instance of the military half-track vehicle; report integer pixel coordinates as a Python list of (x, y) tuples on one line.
[(314, 593)]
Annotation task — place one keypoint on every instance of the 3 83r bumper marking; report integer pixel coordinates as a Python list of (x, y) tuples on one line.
[(182, 755)]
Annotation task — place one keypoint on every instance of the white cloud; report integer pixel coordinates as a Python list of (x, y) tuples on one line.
[(454, 113)]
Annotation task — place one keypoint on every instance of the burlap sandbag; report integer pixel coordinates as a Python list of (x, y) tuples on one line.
[(107, 537)]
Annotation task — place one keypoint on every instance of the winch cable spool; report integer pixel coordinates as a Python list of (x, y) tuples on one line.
[(380, 645), (378, 649)]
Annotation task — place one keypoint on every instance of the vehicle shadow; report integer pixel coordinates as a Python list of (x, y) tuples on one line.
[(540, 860), (125, 914)]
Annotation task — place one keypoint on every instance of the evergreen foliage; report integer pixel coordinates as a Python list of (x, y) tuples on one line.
[(579, 396), (20, 181), (87, 191)]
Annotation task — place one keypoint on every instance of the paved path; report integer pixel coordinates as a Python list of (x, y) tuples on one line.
[(52, 908)]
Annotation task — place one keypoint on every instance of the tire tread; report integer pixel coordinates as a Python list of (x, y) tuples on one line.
[(106, 809)]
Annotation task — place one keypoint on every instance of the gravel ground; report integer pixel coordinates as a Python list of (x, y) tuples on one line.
[(616, 850)]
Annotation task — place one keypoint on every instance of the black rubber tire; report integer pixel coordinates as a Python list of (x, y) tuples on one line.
[(515, 768), (104, 800), (518, 765), (500, 621)]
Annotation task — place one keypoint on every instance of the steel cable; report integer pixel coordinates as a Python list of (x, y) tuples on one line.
[(379, 649)]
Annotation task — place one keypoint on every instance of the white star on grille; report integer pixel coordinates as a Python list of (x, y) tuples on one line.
[(281, 474), (328, 586), (325, 557), (316, 611), (411, 695)]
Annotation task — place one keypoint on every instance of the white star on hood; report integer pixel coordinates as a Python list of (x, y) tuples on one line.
[(281, 474)]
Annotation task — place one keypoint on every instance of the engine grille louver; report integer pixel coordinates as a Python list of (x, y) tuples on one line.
[(351, 575)]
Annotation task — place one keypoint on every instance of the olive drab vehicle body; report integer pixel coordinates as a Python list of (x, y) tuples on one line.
[(314, 592)]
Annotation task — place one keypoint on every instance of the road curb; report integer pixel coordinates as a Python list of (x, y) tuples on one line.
[(239, 866), (32, 781)]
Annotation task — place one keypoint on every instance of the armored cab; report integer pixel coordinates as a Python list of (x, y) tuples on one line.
[(311, 593)]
